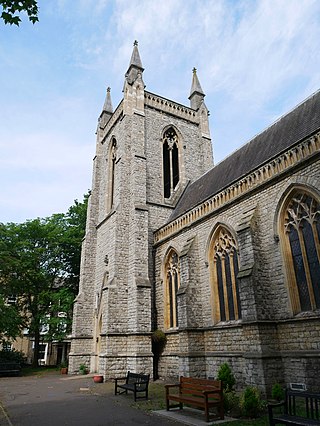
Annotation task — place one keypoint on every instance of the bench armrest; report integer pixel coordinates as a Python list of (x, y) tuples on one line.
[(275, 404), (272, 405), (172, 386), (118, 379), (208, 392), (168, 387)]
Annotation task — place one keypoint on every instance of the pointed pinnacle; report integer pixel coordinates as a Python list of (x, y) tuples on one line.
[(107, 103), (196, 87)]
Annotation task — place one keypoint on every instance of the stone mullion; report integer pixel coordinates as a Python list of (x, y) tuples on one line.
[(224, 286), (174, 301), (167, 300), (215, 291), (234, 287), (306, 268), (316, 239)]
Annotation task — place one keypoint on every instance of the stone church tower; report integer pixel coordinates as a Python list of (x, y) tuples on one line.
[(147, 152)]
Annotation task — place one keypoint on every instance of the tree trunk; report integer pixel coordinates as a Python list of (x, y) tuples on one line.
[(35, 361)]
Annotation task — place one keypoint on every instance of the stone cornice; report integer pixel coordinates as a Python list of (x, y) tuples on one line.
[(275, 167), (170, 107)]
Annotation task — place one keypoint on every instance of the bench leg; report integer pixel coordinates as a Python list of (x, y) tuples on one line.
[(206, 413)]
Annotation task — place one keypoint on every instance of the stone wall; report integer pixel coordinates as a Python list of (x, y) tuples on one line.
[(269, 344)]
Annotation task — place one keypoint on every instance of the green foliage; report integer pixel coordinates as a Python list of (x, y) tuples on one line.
[(11, 9), (231, 402), (40, 265), (159, 341), (83, 369), (12, 355), (11, 321), (63, 364), (226, 376), (251, 403), (277, 392)]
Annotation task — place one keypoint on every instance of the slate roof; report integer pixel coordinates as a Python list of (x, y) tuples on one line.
[(297, 125)]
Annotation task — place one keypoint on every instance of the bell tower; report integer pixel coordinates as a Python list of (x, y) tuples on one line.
[(147, 143)]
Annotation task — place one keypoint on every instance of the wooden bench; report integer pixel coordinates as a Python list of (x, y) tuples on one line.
[(298, 408), (10, 367), (200, 393), (134, 382)]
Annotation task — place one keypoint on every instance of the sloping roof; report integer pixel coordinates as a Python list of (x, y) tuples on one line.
[(298, 124)]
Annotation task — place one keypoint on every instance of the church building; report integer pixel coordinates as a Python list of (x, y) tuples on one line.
[(224, 259)]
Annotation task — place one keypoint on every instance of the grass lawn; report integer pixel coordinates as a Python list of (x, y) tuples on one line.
[(39, 371)]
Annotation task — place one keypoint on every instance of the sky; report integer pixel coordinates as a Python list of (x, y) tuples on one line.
[(255, 59)]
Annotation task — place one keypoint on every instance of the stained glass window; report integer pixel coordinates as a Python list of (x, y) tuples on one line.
[(302, 255), (224, 267)]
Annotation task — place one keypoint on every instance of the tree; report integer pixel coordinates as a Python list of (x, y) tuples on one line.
[(11, 9), (11, 322), (40, 265)]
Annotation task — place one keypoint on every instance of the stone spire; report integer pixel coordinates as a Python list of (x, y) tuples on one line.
[(107, 110), (135, 66), (107, 107), (196, 93)]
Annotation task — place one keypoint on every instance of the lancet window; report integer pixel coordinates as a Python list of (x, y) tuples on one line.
[(224, 265), (301, 234), (170, 162), (172, 277), (112, 157)]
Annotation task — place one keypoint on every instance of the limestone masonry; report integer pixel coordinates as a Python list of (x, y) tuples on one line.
[(224, 259)]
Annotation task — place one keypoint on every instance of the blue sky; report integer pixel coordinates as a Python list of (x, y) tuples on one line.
[(256, 60)]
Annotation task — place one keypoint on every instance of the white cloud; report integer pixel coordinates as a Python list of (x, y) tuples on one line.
[(255, 61)]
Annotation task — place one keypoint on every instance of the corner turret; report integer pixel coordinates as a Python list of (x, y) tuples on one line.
[(135, 67), (196, 94), (107, 110), (134, 86)]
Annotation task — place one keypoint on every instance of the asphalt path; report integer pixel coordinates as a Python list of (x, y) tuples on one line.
[(54, 400)]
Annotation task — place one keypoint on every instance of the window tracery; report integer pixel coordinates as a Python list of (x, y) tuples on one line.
[(301, 228), (170, 162), (172, 276), (224, 264)]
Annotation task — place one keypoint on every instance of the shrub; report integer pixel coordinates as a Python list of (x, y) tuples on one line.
[(226, 376), (159, 341), (231, 402), (83, 369), (13, 355), (251, 403), (277, 392)]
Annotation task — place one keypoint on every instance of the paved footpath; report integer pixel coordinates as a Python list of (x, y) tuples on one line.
[(55, 401)]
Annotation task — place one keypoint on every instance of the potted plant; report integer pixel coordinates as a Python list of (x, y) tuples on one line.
[(98, 378), (64, 367), (83, 369)]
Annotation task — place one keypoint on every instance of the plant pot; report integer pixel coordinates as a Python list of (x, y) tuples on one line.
[(98, 379), (64, 370)]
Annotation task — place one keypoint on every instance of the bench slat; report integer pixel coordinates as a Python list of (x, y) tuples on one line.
[(201, 393)]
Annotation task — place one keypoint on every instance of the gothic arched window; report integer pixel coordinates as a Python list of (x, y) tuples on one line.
[(224, 267), (170, 162), (172, 283), (112, 157), (300, 231)]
